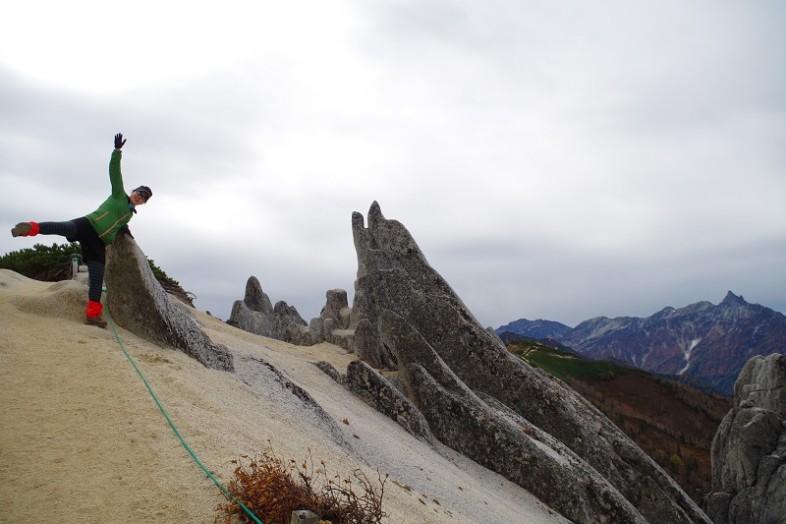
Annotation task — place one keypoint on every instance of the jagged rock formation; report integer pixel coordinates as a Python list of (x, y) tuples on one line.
[(484, 402), (499, 438), (137, 302), (749, 449), (375, 390), (256, 314), (425, 362), (333, 323), (702, 344)]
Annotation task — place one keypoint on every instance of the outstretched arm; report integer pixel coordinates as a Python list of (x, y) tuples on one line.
[(115, 176)]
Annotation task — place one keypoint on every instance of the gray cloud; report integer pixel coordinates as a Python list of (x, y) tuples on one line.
[(551, 160)]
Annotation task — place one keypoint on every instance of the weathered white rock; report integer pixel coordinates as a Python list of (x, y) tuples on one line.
[(137, 302), (256, 314), (464, 364), (749, 449)]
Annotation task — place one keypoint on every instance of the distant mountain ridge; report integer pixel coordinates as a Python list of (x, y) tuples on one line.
[(702, 344), (537, 329)]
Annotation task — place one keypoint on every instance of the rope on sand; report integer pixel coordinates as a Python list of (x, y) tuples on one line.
[(188, 449)]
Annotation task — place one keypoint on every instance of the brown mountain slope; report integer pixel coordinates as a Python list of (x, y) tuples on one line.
[(672, 422)]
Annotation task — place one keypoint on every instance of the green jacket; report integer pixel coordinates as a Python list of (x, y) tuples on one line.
[(117, 210)]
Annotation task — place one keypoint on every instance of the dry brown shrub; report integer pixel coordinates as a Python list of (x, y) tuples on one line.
[(273, 488)]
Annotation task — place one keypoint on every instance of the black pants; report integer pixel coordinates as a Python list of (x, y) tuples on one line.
[(93, 249)]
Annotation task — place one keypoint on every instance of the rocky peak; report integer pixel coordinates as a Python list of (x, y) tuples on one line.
[(256, 299), (256, 314), (731, 298), (425, 362), (484, 402), (702, 343), (749, 449)]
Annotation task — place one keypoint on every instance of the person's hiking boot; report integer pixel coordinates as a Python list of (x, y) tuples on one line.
[(93, 314), (25, 229), (95, 321)]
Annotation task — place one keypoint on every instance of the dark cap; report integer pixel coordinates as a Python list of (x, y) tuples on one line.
[(145, 192)]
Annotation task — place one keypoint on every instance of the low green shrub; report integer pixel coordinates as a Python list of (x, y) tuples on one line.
[(53, 263), (47, 263)]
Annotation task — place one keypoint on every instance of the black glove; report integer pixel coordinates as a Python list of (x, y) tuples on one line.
[(119, 142)]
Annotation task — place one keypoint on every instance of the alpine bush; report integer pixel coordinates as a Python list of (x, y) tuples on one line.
[(53, 263), (273, 488), (47, 263)]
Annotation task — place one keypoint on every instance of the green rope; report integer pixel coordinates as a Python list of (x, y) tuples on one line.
[(198, 462)]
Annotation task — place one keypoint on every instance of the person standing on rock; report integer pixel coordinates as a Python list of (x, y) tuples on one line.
[(96, 230)]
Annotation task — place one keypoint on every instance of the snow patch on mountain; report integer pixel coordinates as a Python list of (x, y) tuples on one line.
[(687, 354)]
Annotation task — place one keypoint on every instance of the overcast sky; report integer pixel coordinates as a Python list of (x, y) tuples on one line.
[(552, 159)]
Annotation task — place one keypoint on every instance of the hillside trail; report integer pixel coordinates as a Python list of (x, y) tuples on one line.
[(82, 441)]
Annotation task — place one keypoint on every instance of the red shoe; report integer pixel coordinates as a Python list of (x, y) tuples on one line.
[(93, 314)]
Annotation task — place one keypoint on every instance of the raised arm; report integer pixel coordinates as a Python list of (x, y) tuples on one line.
[(115, 175)]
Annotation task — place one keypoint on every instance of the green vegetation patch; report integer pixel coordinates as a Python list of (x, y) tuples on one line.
[(53, 263), (47, 263), (564, 365)]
